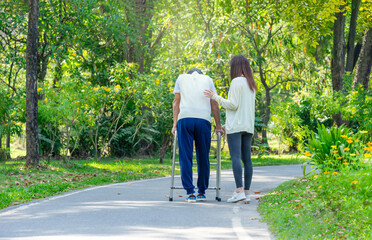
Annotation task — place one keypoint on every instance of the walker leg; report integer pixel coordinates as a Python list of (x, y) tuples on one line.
[(218, 172), (173, 167)]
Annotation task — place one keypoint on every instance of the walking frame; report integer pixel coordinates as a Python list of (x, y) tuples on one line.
[(218, 164)]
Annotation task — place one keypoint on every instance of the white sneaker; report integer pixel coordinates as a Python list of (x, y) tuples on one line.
[(247, 198), (236, 197)]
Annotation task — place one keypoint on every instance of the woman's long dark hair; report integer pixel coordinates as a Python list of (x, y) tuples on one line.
[(239, 65)]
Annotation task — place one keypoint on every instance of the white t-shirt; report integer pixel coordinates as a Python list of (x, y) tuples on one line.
[(177, 86), (239, 105), (193, 102)]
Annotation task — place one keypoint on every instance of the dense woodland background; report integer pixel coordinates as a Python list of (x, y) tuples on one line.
[(100, 74)]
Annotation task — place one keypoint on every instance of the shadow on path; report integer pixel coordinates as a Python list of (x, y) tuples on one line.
[(141, 209)]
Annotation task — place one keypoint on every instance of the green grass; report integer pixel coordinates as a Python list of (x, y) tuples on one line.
[(19, 184), (283, 159), (14, 153), (322, 206)]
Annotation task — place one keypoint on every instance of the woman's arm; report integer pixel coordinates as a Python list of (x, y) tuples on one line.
[(234, 96)]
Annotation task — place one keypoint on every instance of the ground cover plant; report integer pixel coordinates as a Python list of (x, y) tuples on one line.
[(334, 200), (327, 205), (20, 184)]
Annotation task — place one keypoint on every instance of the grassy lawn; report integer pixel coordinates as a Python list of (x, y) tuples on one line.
[(19, 184), (322, 206)]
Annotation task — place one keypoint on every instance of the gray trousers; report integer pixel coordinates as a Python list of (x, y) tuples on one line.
[(240, 149)]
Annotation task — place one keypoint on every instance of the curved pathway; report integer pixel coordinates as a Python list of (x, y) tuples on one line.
[(141, 210)]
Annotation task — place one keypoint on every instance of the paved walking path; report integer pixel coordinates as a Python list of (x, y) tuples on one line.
[(141, 210)]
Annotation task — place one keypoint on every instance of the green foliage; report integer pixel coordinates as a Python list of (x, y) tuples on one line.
[(365, 19), (87, 45), (292, 121), (126, 114), (334, 148), (358, 109), (329, 205), (313, 19)]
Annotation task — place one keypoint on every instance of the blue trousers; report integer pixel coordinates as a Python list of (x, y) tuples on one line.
[(188, 130)]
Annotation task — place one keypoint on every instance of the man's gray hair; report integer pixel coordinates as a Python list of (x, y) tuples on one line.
[(194, 70)]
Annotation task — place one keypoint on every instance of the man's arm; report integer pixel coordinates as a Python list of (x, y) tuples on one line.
[(176, 111), (217, 117)]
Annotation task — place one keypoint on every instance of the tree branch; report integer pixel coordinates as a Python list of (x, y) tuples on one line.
[(13, 88), (286, 80), (158, 38)]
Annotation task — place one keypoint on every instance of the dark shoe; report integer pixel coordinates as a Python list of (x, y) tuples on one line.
[(201, 197), (191, 198)]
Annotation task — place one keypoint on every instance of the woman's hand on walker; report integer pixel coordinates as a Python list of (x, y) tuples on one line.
[(209, 93)]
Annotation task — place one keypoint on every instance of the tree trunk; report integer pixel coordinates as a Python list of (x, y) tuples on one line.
[(338, 57), (141, 20), (363, 70), (32, 144), (164, 148), (268, 103), (2, 158), (351, 39), (267, 114), (8, 146), (57, 73), (357, 49)]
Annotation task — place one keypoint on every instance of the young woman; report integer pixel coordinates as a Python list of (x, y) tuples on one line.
[(240, 113)]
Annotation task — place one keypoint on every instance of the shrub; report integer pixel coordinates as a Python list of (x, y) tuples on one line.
[(336, 147), (358, 109)]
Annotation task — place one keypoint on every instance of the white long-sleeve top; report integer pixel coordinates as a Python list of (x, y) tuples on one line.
[(240, 106)]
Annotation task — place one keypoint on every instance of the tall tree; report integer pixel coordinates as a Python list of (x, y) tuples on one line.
[(265, 30), (363, 71), (32, 144), (351, 39), (12, 42), (338, 57), (140, 13)]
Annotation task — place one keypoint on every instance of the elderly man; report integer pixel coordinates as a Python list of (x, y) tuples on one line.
[(191, 119)]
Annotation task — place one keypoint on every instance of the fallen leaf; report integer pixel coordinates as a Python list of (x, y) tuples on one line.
[(253, 218), (247, 202), (179, 195), (257, 192), (118, 193), (167, 196)]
